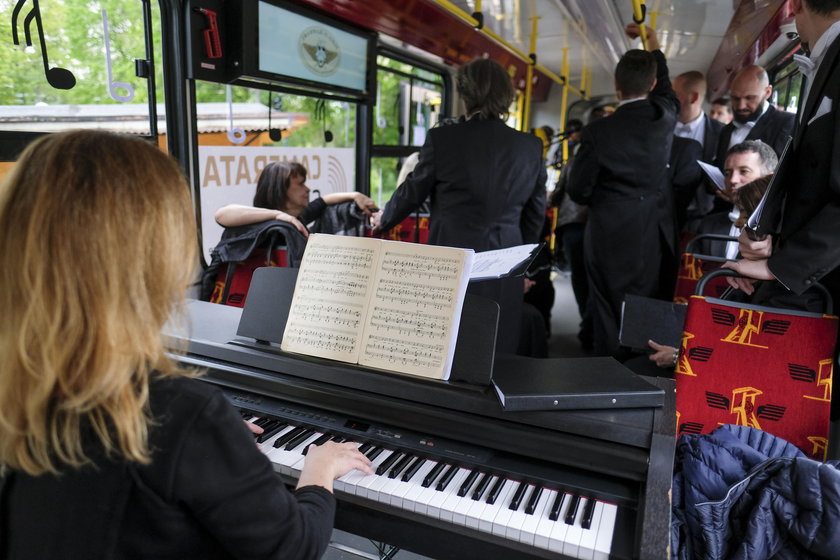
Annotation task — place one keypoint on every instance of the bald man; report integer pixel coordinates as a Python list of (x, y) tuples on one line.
[(754, 117), (692, 124)]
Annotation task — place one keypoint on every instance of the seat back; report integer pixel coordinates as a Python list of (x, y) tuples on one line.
[(693, 266), (756, 366), (234, 279), (414, 229)]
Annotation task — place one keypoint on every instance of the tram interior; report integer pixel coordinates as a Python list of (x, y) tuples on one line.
[(185, 75)]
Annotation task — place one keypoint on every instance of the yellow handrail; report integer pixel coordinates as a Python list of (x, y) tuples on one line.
[(467, 18), (564, 69), (639, 17), (529, 76)]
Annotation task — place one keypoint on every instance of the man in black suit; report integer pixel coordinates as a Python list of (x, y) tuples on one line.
[(755, 118), (692, 124), (486, 182), (806, 246), (621, 172)]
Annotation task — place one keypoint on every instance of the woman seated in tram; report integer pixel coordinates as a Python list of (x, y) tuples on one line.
[(108, 449), (282, 195)]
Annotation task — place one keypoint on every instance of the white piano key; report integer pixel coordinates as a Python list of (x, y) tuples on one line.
[(452, 499), (560, 527), (463, 507), (574, 531), (529, 527), (500, 522), (603, 542), (268, 446), (421, 504), (477, 506), (586, 548), (518, 517), (399, 497), (542, 534), (411, 500), (488, 516), (285, 459), (364, 484), (435, 503)]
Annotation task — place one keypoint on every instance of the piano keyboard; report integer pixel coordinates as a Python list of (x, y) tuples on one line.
[(544, 516)]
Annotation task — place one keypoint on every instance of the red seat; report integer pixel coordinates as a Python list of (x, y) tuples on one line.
[(414, 229), (694, 266), (234, 279), (756, 366)]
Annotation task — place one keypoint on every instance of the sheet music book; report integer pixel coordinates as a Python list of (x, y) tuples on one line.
[(713, 173), (383, 304)]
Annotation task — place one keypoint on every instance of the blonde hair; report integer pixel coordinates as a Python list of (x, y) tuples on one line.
[(97, 241)]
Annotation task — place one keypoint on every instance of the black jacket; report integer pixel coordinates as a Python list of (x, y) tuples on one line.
[(208, 494)]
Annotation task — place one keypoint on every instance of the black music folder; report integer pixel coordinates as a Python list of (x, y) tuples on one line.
[(644, 318), (570, 383)]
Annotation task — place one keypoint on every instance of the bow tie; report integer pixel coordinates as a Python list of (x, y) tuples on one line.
[(806, 65)]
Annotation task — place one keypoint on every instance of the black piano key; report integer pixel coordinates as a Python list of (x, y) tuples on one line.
[(532, 501), (446, 478), (374, 452), (269, 432), (494, 492), (413, 468), (517, 496), (482, 486), (262, 421), (571, 513), (554, 514), (388, 463), (364, 448), (339, 439), (321, 440), (433, 474), (285, 438), (297, 440), (468, 482), (588, 511), (400, 465)]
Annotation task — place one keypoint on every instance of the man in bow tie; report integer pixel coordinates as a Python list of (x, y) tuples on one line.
[(805, 247)]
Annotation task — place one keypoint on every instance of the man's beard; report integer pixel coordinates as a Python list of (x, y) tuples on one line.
[(743, 119)]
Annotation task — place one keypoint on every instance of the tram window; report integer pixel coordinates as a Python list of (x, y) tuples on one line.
[(409, 101), (80, 74), (242, 129), (786, 83)]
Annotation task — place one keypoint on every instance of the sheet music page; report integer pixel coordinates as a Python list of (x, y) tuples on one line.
[(499, 262), (331, 297), (415, 309), (713, 173)]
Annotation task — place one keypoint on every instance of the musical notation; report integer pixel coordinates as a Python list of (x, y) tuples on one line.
[(401, 265), (327, 313), (419, 296), (57, 77), (404, 352), (321, 339), (112, 84), (408, 323)]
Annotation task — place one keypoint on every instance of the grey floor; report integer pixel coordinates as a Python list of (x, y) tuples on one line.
[(562, 343)]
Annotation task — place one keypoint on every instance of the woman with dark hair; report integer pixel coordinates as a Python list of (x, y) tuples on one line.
[(486, 182), (282, 195), (108, 448)]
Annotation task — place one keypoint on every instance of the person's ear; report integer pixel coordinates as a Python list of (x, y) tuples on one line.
[(653, 85), (768, 91)]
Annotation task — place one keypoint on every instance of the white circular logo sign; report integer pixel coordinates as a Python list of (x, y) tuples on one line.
[(318, 50)]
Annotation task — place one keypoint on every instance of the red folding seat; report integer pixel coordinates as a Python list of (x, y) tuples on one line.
[(756, 366), (234, 279)]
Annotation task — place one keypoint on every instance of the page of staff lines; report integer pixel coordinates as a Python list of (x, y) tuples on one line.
[(414, 308), (330, 299)]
